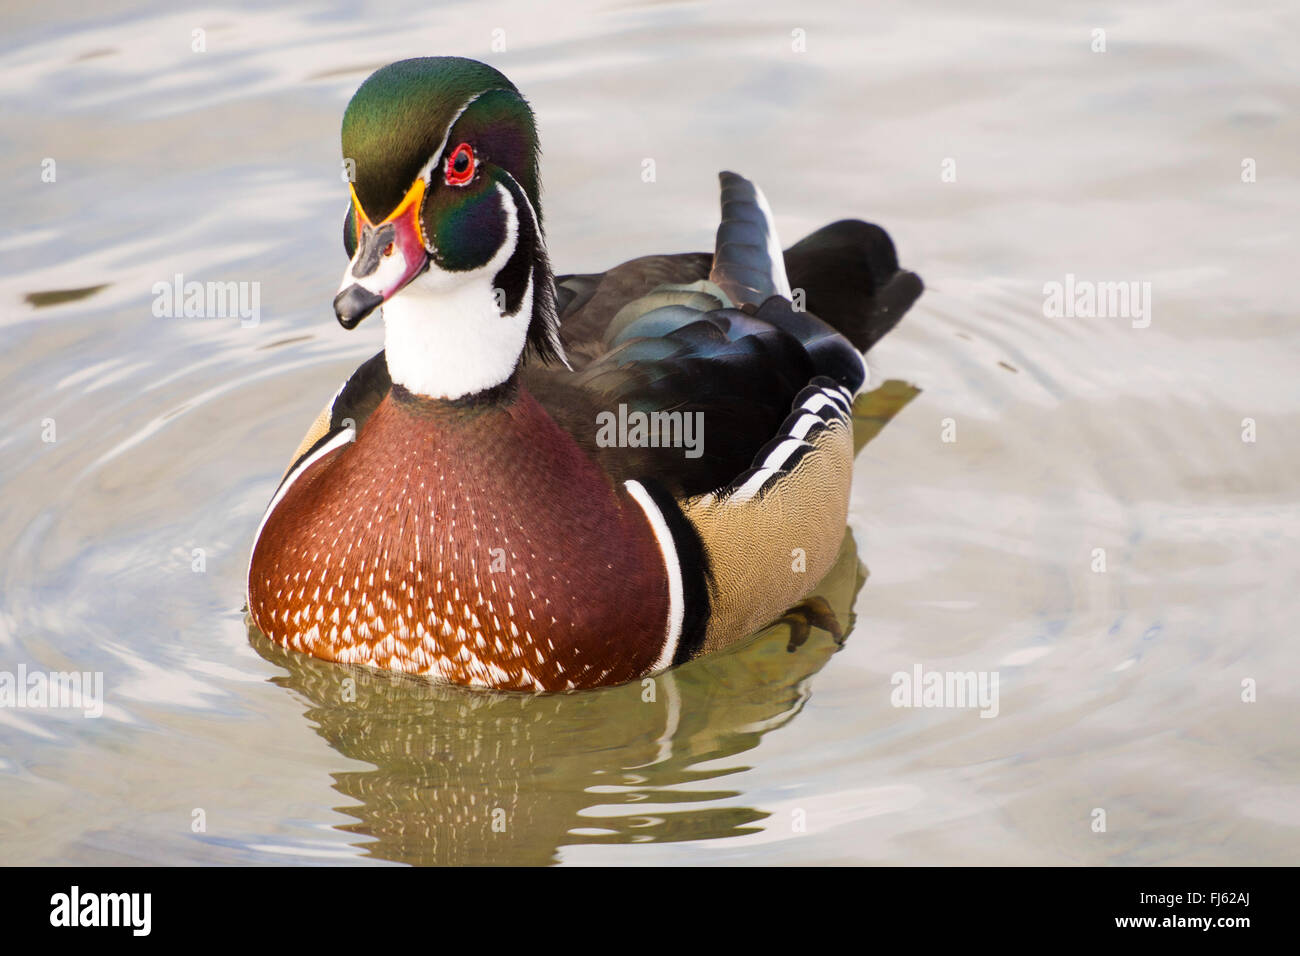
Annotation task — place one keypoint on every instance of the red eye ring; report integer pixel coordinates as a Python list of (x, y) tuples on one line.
[(460, 165)]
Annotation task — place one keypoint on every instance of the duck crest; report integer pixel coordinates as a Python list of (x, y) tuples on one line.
[(464, 540)]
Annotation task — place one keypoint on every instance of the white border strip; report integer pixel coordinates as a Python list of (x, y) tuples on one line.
[(672, 564)]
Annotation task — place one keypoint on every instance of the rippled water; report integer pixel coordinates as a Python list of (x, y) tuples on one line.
[(1119, 691)]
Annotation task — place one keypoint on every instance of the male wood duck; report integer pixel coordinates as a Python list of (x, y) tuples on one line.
[(547, 484)]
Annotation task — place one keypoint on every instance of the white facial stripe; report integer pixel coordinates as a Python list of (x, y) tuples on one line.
[(553, 331), (427, 172)]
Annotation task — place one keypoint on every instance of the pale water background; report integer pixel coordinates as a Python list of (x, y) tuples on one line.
[(1119, 690)]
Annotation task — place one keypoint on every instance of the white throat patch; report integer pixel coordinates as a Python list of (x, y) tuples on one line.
[(445, 335)]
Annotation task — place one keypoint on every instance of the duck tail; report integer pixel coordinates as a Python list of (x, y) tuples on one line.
[(849, 276), (747, 261), (846, 273)]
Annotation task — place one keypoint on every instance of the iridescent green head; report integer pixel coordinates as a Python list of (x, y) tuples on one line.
[(443, 157)]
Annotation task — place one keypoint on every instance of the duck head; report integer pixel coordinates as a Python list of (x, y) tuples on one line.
[(444, 228)]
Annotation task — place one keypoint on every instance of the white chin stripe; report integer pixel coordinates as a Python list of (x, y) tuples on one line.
[(389, 272), (445, 336), (672, 565)]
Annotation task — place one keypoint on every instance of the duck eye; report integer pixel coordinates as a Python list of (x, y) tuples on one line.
[(460, 165)]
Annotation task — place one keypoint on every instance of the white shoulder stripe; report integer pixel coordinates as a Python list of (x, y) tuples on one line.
[(339, 391), (672, 564), (338, 441)]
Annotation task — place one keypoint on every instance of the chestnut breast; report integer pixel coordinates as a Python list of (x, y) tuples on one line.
[(477, 544)]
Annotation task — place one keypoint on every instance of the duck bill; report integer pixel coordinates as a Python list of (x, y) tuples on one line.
[(388, 257)]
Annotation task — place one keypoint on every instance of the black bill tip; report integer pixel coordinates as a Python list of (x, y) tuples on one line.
[(355, 303)]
